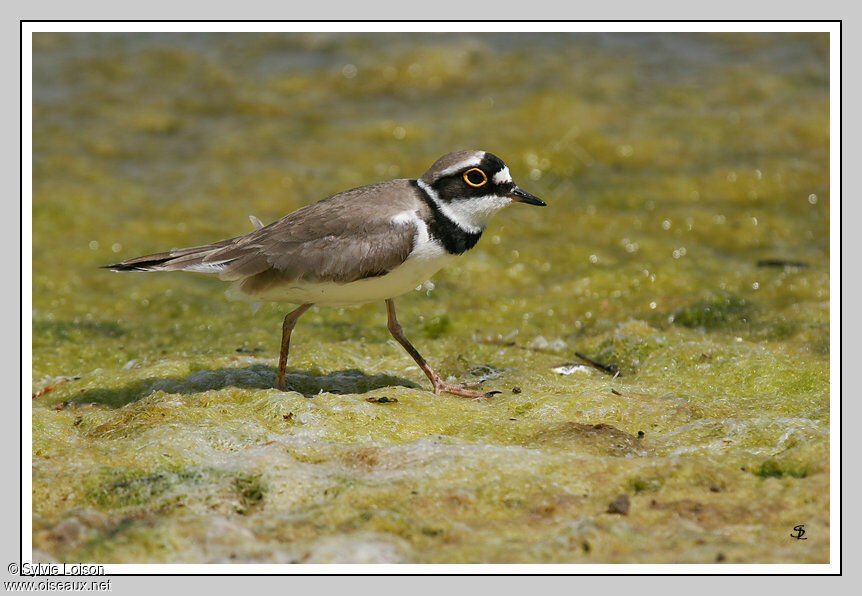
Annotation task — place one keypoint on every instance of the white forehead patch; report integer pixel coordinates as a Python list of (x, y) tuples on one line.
[(467, 163), (502, 176)]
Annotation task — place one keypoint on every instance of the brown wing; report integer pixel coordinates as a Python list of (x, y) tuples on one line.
[(342, 238)]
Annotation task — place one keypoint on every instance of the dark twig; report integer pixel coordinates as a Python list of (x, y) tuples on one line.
[(780, 263), (497, 341), (611, 369)]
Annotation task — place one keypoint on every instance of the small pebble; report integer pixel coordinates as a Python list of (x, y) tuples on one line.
[(516, 389), (620, 505), (381, 400)]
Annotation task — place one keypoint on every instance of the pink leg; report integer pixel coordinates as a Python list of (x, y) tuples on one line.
[(286, 329), (439, 385)]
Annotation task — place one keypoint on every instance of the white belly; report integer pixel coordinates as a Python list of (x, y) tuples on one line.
[(412, 273)]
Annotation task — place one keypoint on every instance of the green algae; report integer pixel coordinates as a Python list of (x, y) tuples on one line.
[(671, 164), (727, 312)]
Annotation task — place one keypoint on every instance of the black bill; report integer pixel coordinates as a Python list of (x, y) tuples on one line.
[(522, 196)]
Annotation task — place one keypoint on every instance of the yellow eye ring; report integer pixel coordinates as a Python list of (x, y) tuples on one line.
[(474, 184)]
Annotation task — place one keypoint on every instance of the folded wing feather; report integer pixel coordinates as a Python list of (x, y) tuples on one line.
[(343, 238)]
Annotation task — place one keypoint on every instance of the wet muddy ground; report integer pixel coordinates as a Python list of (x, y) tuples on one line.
[(685, 243)]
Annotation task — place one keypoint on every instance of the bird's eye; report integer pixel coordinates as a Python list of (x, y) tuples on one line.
[(475, 177)]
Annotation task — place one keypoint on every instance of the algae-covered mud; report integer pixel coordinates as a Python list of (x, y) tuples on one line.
[(685, 246)]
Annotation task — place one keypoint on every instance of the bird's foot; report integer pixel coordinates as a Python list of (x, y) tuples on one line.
[(461, 389)]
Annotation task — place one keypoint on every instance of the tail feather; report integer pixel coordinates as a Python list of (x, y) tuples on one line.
[(181, 259)]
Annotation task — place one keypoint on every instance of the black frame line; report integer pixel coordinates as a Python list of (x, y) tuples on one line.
[(840, 22)]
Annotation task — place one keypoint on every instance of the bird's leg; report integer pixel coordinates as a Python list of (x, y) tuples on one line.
[(286, 329), (439, 385)]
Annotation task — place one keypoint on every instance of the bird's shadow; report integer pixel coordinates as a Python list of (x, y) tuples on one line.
[(255, 376)]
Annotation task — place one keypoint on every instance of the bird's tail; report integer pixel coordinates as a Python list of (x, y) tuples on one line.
[(202, 259), (197, 258)]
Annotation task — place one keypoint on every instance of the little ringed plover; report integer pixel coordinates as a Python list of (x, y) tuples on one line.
[(369, 243)]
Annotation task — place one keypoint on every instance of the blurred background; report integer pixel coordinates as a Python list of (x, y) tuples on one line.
[(686, 241)]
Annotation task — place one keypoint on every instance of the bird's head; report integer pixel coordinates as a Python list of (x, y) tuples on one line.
[(471, 186)]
